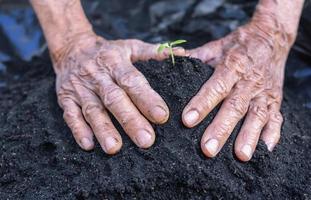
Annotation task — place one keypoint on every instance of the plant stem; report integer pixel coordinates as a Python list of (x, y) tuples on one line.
[(172, 55)]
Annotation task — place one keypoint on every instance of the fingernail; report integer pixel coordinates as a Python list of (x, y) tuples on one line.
[(178, 49), (158, 113), (86, 143), (110, 143), (143, 138), (247, 151), (212, 146), (270, 146), (191, 117)]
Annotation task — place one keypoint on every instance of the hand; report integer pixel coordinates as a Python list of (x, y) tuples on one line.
[(95, 76), (249, 72)]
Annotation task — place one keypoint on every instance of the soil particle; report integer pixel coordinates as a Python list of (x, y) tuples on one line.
[(39, 158)]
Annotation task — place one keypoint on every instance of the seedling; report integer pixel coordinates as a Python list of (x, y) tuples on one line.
[(169, 46)]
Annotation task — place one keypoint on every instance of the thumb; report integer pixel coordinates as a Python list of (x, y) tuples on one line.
[(207, 52), (145, 51)]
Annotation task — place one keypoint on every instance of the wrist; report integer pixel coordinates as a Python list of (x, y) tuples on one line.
[(279, 19), (62, 21)]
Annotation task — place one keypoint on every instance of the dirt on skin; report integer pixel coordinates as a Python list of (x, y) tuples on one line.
[(39, 158)]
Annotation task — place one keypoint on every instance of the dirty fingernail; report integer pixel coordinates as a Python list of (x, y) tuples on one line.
[(191, 117), (143, 139), (247, 151), (212, 146), (109, 144), (270, 146), (158, 113), (86, 143)]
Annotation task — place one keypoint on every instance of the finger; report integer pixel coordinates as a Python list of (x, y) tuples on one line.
[(133, 122), (210, 95), (143, 96), (207, 52), (75, 121), (144, 51), (230, 113), (105, 132), (94, 113), (248, 137), (272, 131)]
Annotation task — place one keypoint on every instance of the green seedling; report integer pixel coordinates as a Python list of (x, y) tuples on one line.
[(169, 46)]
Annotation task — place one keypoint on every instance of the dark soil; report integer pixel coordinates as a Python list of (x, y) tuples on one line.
[(39, 158)]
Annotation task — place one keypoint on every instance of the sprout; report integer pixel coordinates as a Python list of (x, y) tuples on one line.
[(169, 46)]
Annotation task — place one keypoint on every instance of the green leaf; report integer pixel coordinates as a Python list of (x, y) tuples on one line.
[(176, 42), (162, 47)]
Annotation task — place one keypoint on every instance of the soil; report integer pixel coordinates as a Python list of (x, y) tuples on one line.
[(39, 158)]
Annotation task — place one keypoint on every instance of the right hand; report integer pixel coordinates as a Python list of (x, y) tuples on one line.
[(95, 76)]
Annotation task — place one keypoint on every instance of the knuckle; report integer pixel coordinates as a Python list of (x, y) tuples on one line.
[(130, 121), (231, 60), (220, 87), (238, 104), (92, 72), (258, 75), (126, 120), (90, 109), (99, 124), (73, 79), (62, 98), (205, 104), (72, 123), (113, 95), (204, 100), (60, 102), (109, 58), (65, 98), (108, 127), (277, 98), (255, 77), (69, 115), (222, 130), (132, 80), (276, 117), (85, 71), (237, 61), (260, 112)]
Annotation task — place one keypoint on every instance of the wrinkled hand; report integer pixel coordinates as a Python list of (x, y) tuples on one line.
[(95, 76), (249, 71)]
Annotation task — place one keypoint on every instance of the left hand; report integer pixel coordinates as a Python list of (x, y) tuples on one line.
[(249, 71)]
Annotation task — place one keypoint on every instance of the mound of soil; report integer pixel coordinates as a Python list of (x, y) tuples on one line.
[(39, 158)]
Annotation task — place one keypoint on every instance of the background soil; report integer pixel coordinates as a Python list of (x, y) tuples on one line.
[(39, 158)]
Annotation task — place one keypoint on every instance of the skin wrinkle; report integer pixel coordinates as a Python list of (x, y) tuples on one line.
[(249, 65), (95, 72), (257, 52), (88, 69)]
